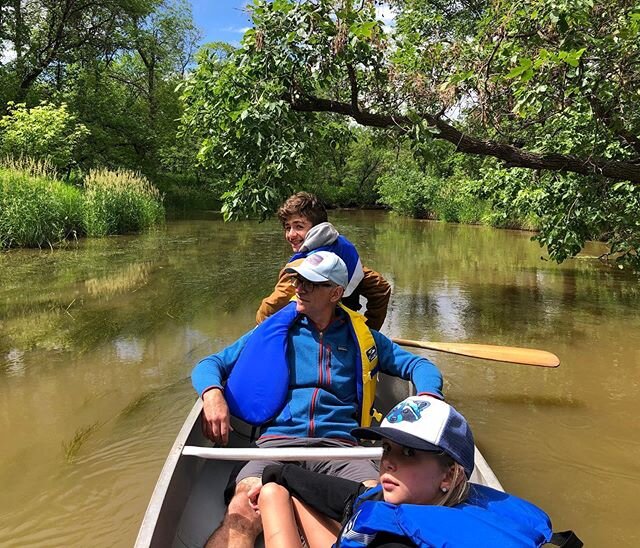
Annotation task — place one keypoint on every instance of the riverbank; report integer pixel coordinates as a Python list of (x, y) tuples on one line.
[(453, 199), (37, 209)]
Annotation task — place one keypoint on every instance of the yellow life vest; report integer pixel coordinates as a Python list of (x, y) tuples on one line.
[(369, 362)]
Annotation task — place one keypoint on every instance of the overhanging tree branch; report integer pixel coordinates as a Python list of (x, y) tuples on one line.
[(511, 155)]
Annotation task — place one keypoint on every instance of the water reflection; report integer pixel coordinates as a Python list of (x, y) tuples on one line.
[(129, 279), (105, 333)]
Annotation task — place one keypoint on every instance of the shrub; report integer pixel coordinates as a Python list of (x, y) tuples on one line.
[(36, 209), (44, 133), (118, 202), (409, 191), (406, 190), (456, 203)]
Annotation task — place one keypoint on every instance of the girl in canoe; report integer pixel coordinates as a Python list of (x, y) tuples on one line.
[(424, 497)]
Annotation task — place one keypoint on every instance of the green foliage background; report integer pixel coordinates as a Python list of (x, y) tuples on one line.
[(544, 92), (541, 97)]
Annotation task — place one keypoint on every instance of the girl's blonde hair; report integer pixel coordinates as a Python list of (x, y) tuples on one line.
[(459, 490)]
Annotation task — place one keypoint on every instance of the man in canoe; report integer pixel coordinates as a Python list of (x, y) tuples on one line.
[(307, 376), (304, 219)]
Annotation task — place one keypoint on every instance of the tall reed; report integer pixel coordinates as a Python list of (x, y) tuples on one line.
[(36, 209), (118, 202)]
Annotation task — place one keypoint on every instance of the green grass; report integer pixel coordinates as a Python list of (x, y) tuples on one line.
[(72, 448), (39, 210), (119, 202), (36, 209)]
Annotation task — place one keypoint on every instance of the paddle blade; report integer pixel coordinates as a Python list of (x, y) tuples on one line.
[(510, 354)]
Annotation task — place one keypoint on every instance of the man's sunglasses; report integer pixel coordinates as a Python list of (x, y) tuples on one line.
[(306, 285)]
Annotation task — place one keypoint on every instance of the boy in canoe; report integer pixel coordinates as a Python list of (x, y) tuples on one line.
[(306, 375), (304, 219)]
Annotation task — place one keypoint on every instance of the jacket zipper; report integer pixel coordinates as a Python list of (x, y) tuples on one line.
[(323, 365)]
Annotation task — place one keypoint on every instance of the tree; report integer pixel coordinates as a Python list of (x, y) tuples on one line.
[(544, 85), (46, 35), (114, 63), (136, 90), (164, 42), (344, 163), (249, 136)]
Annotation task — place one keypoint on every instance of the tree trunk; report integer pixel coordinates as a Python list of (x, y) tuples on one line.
[(18, 34)]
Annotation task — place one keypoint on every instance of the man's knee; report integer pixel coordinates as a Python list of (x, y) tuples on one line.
[(239, 505)]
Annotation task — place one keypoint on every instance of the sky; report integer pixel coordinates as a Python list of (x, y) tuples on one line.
[(221, 20), (225, 20)]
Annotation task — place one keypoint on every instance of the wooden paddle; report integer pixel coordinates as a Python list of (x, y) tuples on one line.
[(511, 354)]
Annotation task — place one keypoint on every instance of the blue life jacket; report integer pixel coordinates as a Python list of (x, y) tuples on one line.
[(256, 390), (257, 386), (488, 519)]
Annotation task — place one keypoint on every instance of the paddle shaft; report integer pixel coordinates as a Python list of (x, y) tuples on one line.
[(510, 354)]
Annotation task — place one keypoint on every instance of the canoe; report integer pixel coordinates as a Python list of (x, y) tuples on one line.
[(187, 502)]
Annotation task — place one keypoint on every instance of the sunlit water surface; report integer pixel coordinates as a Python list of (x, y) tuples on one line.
[(97, 342)]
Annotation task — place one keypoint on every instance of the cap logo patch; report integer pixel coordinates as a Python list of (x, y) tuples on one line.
[(315, 259), (408, 411)]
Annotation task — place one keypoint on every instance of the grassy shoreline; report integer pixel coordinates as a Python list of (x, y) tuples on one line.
[(37, 209)]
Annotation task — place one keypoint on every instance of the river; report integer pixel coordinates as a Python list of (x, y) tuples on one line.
[(97, 341)]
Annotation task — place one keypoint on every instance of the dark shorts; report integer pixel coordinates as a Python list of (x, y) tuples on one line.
[(355, 470)]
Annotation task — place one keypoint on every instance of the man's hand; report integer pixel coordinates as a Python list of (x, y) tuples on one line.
[(253, 495), (215, 419)]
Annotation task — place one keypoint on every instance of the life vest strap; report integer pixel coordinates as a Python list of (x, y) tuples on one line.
[(368, 361), (566, 539)]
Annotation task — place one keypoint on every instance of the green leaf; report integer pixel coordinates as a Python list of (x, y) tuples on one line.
[(283, 6), (572, 57), (363, 30), (525, 65)]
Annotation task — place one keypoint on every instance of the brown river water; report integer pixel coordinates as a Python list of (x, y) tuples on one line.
[(97, 342)]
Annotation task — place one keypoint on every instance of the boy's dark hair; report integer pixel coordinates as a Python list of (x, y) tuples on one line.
[(304, 204)]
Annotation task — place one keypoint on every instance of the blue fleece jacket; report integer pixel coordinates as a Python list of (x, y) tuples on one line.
[(322, 400)]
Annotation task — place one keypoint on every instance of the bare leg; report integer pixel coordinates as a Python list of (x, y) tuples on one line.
[(241, 524), (319, 531), (278, 520)]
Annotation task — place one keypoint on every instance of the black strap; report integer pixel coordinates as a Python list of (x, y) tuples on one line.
[(566, 539)]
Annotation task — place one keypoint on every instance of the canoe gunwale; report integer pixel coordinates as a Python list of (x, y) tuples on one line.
[(149, 527), (316, 454)]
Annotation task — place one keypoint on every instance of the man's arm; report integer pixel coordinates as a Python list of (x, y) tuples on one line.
[(394, 360), (208, 377), (377, 291)]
